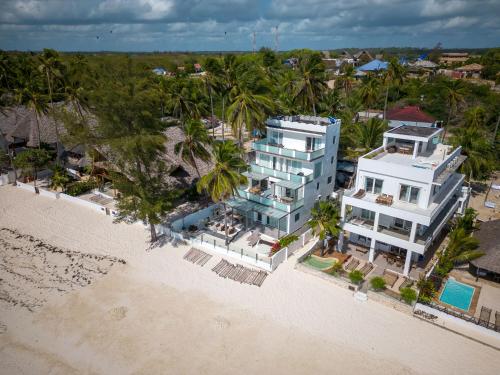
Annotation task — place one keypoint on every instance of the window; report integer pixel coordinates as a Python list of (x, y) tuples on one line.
[(330, 179), (373, 185), (331, 160), (318, 167), (277, 138), (297, 217), (334, 139), (402, 224), (368, 215), (409, 194)]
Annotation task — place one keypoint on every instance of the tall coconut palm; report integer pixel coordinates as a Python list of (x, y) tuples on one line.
[(32, 97), (394, 75), (369, 92), (311, 84), (325, 221), (247, 110), (347, 78), (51, 67), (455, 92), (222, 182), (331, 103), (479, 150), (194, 144), (475, 117), (370, 135)]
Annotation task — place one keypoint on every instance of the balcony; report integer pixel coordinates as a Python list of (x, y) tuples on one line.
[(265, 198), (295, 177), (360, 222), (265, 145), (395, 232)]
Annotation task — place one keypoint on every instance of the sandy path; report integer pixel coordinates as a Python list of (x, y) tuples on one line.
[(161, 314)]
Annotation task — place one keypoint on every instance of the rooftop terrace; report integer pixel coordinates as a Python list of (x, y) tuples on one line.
[(415, 131)]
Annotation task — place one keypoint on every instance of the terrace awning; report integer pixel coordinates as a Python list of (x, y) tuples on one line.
[(289, 184), (240, 204), (269, 211), (255, 176)]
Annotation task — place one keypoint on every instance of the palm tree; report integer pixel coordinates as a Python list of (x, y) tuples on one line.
[(394, 75), (247, 110), (325, 221), (370, 135), (479, 150), (347, 78), (368, 92), (475, 117), (330, 105), (194, 144), (311, 83), (462, 248), (454, 91), (225, 178), (51, 67)]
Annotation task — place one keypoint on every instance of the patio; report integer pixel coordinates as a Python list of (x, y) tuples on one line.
[(383, 263)]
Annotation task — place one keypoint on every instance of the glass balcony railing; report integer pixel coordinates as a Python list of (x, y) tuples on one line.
[(265, 146), (282, 175), (286, 207)]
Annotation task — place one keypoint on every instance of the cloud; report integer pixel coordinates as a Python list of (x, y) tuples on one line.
[(228, 24)]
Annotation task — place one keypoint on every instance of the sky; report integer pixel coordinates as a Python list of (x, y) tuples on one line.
[(206, 25)]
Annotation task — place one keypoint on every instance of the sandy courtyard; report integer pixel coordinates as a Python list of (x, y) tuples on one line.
[(159, 314)]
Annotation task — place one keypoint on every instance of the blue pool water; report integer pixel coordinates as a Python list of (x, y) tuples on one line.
[(457, 294)]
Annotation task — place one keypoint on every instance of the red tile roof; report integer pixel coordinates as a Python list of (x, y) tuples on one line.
[(410, 113)]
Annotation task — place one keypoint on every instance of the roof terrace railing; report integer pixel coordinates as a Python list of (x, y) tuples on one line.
[(265, 146)]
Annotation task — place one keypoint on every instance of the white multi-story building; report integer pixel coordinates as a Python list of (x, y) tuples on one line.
[(405, 192), (294, 166)]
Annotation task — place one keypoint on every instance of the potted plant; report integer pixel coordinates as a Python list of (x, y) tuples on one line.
[(356, 277)]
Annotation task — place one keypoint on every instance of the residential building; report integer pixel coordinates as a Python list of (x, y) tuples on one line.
[(405, 192), (470, 71), (449, 58), (488, 265), (409, 115), (294, 167), (373, 66)]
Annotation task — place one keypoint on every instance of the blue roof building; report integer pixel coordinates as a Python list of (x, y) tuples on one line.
[(373, 66)]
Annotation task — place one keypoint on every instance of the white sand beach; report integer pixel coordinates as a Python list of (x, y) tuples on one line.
[(159, 314)]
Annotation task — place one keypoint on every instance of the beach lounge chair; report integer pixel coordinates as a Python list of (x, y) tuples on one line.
[(484, 317), (497, 321), (366, 269), (254, 238), (352, 264), (390, 278)]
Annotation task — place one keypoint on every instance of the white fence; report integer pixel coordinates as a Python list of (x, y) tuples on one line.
[(217, 245), (82, 202), (24, 186), (194, 218)]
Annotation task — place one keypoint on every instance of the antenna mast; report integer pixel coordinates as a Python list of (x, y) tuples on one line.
[(276, 40)]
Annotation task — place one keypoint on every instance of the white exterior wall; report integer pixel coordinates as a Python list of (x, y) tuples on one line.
[(397, 123)]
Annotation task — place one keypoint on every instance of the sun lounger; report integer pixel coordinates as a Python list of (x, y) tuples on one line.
[(359, 194), (239, 273), (484, 317), (497, 321), (390, 278), (352, 264), (366, 269)]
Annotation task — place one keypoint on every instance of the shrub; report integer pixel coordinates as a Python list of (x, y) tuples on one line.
[(80, 188), (427, 290), (408, 295), (276, 246), (287, 240), (356, 276), (378, 283), (335, 269)]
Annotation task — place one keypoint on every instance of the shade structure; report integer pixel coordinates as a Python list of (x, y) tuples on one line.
[(289, 184), (255, 176)]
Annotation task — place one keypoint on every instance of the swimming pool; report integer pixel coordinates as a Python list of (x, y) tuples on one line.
[(319, 263), (457, 294)]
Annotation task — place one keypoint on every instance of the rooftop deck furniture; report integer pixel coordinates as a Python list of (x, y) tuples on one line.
[(254, 238), (255, 190), (352, 264), (384, 199), (286, 200), (484, 316), (362, 249), (390, 278), (359, 194), (366, 269), (407, 150)]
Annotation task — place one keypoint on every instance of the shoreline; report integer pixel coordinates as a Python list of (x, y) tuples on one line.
[(294, 322)]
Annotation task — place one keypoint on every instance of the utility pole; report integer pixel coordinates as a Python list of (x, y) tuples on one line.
[(254, 47)]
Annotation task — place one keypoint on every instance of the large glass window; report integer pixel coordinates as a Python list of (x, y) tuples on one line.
[(317, 169), (277, 138), (373, 185), (367, 214), (402, 224), (409, 194)]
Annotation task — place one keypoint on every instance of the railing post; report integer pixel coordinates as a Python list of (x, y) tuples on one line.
[(214, 244), (241, 252)]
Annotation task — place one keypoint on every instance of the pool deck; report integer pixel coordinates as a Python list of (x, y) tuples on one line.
[(475, 297)]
